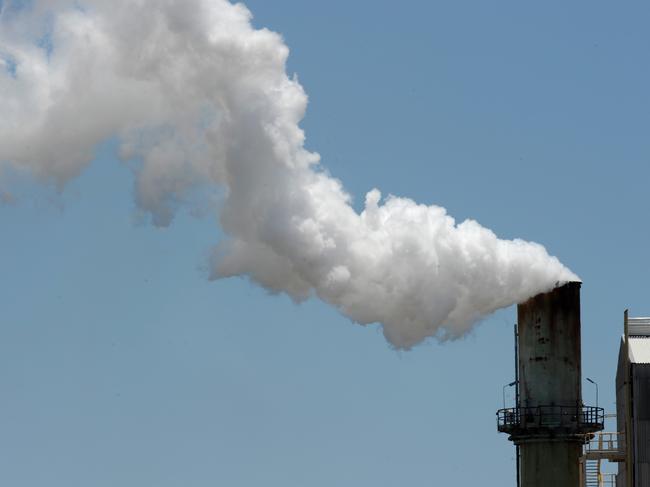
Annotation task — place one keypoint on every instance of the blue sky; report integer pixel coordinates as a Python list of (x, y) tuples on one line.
[(121, 364)]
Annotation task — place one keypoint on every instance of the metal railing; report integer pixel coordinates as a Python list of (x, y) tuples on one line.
[(607, 480), (605, 442), (605, 446), (578, 419)]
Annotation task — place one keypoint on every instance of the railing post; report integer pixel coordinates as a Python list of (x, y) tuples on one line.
[(600, 442)]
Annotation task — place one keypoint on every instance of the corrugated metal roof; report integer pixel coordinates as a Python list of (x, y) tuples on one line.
[(639, 348), (638, 327)]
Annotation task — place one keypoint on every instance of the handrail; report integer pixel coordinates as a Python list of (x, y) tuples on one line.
[(575, 418), (607, 480), (605, 442)]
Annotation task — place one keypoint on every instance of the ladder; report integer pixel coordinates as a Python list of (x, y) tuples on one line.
[(592, 473), (598, 448)]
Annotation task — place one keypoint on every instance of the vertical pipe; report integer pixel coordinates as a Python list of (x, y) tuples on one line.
[(517, 398), (516, 367), (629, 470)]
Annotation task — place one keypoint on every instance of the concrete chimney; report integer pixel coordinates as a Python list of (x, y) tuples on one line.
[(549, 423)]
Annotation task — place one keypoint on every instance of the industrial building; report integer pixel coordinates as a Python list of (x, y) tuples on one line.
[(559, 440), (633, 403)]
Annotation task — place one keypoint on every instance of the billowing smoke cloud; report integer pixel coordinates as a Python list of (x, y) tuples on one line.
[(200, 97)]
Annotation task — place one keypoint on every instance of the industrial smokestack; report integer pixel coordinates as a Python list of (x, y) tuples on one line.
[(549, 422)]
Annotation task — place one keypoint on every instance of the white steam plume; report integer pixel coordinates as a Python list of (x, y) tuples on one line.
[(200, 96)]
